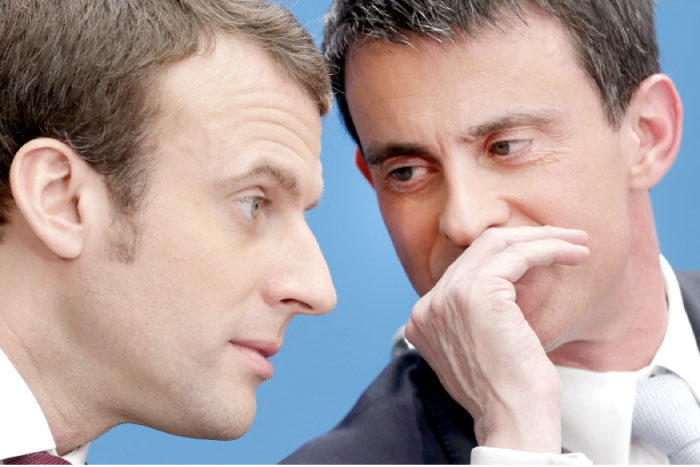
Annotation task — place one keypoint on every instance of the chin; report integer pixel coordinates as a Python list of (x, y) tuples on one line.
[(229, 433), (235, 425), (218, 419), (220, 430)]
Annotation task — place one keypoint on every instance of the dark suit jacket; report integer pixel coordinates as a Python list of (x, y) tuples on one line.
[(406, 417)]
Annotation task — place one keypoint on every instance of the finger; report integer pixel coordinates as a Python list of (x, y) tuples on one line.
[(513, 262), (497, 239), (506, 236)]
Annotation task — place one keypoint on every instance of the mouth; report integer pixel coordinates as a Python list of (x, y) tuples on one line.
[(256, 354)]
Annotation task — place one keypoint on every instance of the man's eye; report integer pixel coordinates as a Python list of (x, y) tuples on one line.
[(251, 205), (506, 148), (402, 174)]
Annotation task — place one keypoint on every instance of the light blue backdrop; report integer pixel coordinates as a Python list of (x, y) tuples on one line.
[(327, 361)]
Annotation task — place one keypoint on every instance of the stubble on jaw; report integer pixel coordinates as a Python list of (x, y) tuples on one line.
[(122, 238)]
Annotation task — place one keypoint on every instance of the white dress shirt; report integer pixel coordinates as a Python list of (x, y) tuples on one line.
[(596, 408), (23, 426)]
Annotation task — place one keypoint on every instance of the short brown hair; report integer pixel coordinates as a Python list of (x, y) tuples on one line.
[(615, 41), (81, 71)]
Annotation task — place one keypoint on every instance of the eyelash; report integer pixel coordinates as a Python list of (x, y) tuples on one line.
[(393, 173), (420, 175)]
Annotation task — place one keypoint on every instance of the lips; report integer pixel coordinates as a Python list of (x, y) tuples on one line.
[(256, 354), (266, 349)]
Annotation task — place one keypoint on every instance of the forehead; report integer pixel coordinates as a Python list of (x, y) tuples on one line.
[(216, 104), (517, 63)]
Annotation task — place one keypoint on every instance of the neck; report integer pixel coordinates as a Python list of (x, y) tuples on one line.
[(630, 317), (34, 337)]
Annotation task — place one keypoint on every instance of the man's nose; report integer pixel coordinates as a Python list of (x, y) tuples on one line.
[(472, 206), (304, 284)]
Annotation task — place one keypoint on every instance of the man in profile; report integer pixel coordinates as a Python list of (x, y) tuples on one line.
[(512, 146), (157, 161)]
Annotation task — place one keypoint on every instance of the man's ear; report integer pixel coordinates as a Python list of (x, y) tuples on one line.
[(49, 183), (362, 165), (656, 115)]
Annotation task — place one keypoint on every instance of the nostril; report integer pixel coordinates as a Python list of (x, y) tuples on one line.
[(295, 302)]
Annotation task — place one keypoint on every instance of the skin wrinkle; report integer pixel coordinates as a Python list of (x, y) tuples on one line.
[(285, 179), (294, 143), (262, 109), (265, 108), (540, 120)]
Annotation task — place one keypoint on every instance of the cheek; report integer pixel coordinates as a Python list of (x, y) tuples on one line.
[(414, 230), (192, 260), (585, 189), (600, 202)]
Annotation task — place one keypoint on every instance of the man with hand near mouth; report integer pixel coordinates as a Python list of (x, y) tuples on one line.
[(512, 146), (157, 162)]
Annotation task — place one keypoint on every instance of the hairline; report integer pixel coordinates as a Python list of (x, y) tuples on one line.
[(152, 88), (504, 12)]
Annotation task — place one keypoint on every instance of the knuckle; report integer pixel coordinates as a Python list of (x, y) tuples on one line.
[(437, 306), (518, 251), (516, 248), (410, 332), (463, 298), (416, 320), (423, 304), (494, 293), (501, 298)]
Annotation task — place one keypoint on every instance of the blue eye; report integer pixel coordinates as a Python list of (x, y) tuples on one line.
[(251, 205)]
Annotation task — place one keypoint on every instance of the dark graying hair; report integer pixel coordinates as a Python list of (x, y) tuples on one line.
[(84, 71), (615, 39)]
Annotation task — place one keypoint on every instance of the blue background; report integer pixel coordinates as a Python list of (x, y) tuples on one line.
[(327, 361)]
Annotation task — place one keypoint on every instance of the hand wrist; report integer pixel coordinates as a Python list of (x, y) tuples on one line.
[(534, 424)]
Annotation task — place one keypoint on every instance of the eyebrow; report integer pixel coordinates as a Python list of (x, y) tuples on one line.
[(285, 179), (375, 155), (537, 118)]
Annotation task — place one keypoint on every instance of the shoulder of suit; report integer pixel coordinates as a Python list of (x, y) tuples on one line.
[(692, 276), (689, 282)]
